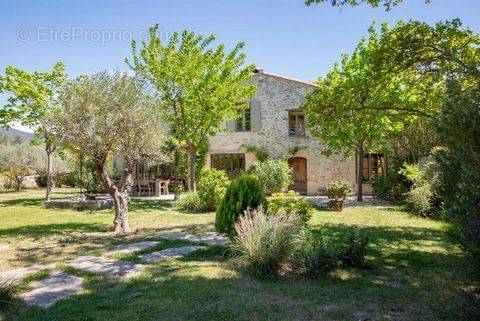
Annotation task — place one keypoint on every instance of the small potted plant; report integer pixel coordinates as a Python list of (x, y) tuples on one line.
[(337, 192)]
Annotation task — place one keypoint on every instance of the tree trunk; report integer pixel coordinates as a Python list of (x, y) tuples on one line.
[(120, 223), (192, 158), (48, 190), (359, 174)]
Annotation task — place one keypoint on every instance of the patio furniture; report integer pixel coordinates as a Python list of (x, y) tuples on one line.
[(164, 186), (144, 187)]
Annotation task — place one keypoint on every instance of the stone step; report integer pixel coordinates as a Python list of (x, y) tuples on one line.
[(130, 248), (106, 266), (209, 238), (19, 274), (56, 286), (175, 252)]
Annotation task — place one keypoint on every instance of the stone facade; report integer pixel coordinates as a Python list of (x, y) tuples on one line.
[(276, 96)]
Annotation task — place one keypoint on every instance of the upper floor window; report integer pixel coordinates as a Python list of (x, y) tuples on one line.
[(373, 164), (296, 123), (244, 121)]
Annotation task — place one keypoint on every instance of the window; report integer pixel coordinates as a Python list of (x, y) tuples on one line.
[(296, 124), (232, 164), (244, 121), (372, 164)]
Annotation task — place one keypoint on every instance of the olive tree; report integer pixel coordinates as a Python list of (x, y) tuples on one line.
[(106, 116), (200, 86), (17, 161)]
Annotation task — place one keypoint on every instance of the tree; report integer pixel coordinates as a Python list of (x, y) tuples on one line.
[(200, 86), (458, 162), (17, 161), (33, 101), (106, 116), (387, 4), (357, 108)]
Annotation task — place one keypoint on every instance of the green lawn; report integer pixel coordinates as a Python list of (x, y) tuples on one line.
[(415, 272)]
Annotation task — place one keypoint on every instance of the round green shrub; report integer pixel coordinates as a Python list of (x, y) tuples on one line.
[(189, 202), (211, 188), (274, 175), (243, 193), (339, 190)]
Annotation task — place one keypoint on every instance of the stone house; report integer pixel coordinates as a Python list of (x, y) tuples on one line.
[(274, 123)]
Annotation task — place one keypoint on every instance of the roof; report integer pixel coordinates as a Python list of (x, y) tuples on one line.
[(260, 71)]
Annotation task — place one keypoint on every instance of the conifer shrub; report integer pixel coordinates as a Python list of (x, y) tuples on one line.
[(243, 193)]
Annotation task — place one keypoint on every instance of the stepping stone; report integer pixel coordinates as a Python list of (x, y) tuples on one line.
[(210, 238), (106, 266), (17, 275), (56, 286), (174, 252), (130, 248)]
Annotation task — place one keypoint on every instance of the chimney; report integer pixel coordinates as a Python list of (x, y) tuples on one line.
[(258, 71)]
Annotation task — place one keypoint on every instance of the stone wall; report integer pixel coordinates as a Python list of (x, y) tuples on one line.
[(276, 96)]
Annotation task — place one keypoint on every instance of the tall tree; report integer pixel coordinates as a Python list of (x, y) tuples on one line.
[(33, 101), (200, 85), (387, 4), (106, 116), (357, 108)]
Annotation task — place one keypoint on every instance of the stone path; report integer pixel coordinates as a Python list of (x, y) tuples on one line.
[(106, 266), (5, 247), (19, 274), (210, 238), (130, 248), (175, 252), (56, 286)]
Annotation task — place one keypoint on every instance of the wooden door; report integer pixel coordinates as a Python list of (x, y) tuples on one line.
[(299, 174)]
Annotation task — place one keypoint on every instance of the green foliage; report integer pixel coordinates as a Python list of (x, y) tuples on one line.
[(419, 199), (264, 242), (199, 85), (189, 202), (413, 174), (458, 163), (260, 153), (355, 248), (392, 187), (212, 185), (290, 203), (321, 258), (242, 193), (387, 4), (8, 291), (274, 175), (339, 190)]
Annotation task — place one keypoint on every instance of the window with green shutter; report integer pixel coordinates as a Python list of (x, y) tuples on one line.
[(244, 121)]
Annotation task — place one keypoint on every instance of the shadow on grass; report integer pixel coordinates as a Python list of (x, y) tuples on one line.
[(39, 230), (22, 202), (198, 287)]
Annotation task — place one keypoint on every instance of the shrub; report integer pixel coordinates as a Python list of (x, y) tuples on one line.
[(242, 193), (177, 189), (211, 187), (189, 202), (321, 259), (355, 248), (392, 187), (274, 175), (339, 190), (419, 200), (7, 292), (290, 203), (264, 242)]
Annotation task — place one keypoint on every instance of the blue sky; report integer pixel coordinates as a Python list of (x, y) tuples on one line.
[(281, 36)]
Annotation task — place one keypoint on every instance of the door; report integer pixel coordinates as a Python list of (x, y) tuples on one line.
[(299, 174)]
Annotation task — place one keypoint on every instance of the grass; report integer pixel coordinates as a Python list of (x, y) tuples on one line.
[(415, 272)]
